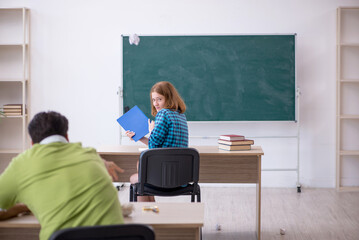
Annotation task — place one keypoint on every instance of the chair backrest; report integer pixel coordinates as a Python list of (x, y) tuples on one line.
[(168, 167), (108, 232)]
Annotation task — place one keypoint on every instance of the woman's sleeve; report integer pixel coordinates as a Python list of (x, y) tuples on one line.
[(159, 133)]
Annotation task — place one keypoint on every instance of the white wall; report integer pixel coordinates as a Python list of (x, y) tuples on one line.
[(76, 69)]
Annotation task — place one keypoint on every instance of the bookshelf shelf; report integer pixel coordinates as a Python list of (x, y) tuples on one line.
[(355, 45), (349, 153), (10, 151), (12, 44), (14, 80), (347, 96), (349, 189), (349, 116), (19, 116), (349, 80)]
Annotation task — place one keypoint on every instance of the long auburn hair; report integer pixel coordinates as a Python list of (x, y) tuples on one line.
[(172, 98)]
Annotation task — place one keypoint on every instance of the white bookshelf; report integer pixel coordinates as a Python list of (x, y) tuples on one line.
[(347, 99), (14, 79)]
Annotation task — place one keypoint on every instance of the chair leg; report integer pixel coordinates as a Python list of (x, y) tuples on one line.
[(192, 197), (198, 194), (134, 195), (131, 193)]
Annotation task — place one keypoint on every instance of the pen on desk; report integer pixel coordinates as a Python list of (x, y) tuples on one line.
[(154, 209)]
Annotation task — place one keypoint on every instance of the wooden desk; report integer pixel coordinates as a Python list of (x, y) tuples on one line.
[(216, 166), (174, 221)]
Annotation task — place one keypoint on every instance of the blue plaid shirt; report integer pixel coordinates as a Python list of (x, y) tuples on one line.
[(170, 130)]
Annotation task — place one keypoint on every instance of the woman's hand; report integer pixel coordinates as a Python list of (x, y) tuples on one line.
[(151, 125), (130, 134)]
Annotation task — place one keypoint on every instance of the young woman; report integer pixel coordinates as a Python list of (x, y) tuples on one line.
[(170, 126)]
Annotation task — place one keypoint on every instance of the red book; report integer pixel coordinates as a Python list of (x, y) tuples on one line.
[(231, 137)]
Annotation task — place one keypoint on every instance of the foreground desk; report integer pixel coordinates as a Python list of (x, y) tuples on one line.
[(216, 166), (174, 221)]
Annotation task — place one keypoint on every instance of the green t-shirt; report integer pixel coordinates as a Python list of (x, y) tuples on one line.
[(64, 185)]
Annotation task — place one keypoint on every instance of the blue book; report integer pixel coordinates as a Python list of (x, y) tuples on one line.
[(136, 121)]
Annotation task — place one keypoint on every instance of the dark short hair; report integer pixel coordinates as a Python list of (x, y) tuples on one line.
[(45, 124)]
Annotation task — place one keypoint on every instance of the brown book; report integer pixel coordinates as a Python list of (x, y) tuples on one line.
[(13, 110), (236, 142), (11, 106), (12, 114), (234, 148)]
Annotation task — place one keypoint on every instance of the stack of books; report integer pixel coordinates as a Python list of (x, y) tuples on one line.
[(12, 109), (234, 142)]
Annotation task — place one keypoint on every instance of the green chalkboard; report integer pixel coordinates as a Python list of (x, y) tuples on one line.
[(220, 78)]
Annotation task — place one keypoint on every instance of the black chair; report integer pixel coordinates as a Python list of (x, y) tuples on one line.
[(108, 232), (167, 172)]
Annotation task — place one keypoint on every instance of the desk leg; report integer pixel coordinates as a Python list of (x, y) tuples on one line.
[(198, 234), (258, 220)]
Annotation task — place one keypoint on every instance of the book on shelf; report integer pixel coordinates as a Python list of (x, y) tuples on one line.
[(12, 106), (231, 137), (236, 142), (12, 114), (12, 110), (17, 111), (234, 148)]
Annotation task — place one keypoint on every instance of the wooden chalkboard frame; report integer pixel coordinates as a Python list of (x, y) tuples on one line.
[(142, 96)]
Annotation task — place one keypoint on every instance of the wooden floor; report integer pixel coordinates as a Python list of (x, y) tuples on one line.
[(313, 214)]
